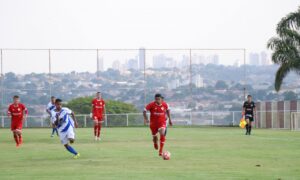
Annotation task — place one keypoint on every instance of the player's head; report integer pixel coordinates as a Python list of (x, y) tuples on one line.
[(16, 99), (249, 98), (158, 98), (98, 95), (58, 104), (53, 98)]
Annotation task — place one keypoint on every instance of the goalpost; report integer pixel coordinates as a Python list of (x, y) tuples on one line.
[(295, 121)]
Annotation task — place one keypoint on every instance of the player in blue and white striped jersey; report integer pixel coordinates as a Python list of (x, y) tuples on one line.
[(50, 107), (65, 121)]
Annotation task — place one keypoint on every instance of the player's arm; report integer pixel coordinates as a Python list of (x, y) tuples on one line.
[(169, 117), (104, 113), (243, 109), (146, 121), (92, 109), (9, 113), (48, 111), (25, 113), (147, 108), (254, 110), (74, 119)]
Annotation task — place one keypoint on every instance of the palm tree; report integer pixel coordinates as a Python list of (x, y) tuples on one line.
[(286, 47)]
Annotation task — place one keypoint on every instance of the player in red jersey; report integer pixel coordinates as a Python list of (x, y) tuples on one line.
[(98, 114), (158, 110), (17, 112)]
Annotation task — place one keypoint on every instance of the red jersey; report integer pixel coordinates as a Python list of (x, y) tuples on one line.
[(157, 112), (17, 112), (98, 107)]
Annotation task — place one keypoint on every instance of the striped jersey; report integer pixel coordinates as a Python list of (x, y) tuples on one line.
[(65, 121)]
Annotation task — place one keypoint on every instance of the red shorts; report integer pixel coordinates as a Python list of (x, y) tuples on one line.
[(98, 118), (15, 126), (156, 126)]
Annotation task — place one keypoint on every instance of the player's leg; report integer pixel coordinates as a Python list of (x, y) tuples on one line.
[(162, 131), (69, 137), (71, 149), (16, 138), (99, 129), (19, 133), (53, 130), (247, 125), (95, 127), (56, 130), (250, 125), (154, 131), (16, 129)]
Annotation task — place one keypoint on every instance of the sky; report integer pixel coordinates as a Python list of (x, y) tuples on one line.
[(106, 24)]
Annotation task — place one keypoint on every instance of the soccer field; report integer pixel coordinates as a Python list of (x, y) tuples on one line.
[(127, 153)]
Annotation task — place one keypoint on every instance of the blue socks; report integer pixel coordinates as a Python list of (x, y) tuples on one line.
[(71, 150), (54, 130)]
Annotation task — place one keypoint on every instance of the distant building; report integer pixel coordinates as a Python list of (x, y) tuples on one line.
[(141, 58), (254, 59), (198, 81), (100, 64), (132, 64), (173, 84), (237, 63), (264, 59), (214, 59), (116, 65), (161, 61)]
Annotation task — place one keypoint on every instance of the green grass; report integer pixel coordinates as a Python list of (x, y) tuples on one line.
[(127, 153)]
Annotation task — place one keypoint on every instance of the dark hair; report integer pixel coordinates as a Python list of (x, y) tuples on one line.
[(158, 96), (249, 96), (58, 101), (52, 97), (16, 97), (98, 92)]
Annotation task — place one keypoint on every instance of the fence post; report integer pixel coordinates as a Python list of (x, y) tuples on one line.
[(2, 121), (212, 118), (42, 122), (84, 121), (127, 120), (26, 124), (233, 117), (106, 120), (191, 117)]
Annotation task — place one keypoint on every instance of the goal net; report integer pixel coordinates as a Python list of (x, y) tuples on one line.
[(295, 121)]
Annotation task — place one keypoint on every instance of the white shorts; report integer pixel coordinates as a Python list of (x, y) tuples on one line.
[(65, 136)]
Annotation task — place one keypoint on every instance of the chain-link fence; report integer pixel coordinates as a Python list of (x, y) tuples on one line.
[(184, 118)]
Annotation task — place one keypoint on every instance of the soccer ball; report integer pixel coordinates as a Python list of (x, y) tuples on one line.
[(166, 155)]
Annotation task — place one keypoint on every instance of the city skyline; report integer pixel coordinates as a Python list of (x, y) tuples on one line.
[(88, 61)]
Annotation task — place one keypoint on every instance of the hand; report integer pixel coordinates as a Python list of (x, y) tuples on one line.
[(170, 122), (91, 115), (76, 124), (146, 121)]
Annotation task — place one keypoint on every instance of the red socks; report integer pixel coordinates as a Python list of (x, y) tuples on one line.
[(98, 130), (20, 139), (16, 139), (162, 143), (95, 130)]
